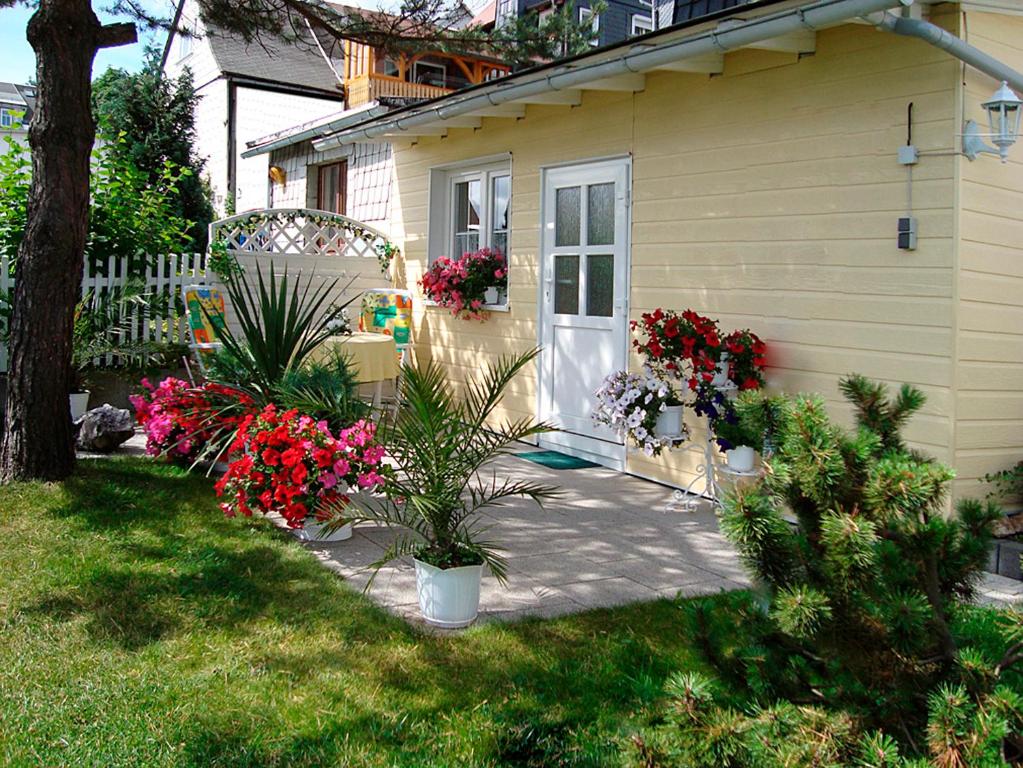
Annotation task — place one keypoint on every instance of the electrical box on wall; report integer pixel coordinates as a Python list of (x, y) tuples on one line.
[(907, 233)]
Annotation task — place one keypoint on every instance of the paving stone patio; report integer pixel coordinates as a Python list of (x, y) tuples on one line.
[(608, 541)]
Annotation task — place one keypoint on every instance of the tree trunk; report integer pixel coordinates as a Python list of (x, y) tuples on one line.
[(37, 440)]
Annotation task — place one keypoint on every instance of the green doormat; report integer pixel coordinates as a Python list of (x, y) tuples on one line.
[(556, 460)]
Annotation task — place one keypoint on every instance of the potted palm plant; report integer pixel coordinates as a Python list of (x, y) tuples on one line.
[(440, 445)]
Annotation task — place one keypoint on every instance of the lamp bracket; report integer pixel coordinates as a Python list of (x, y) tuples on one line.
[(973, 142)]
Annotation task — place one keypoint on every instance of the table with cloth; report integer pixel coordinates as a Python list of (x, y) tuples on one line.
[(373, 356)]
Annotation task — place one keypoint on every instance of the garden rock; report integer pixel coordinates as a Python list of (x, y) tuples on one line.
[(103, 429)]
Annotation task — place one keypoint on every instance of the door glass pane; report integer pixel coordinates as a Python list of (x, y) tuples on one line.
[(566, 284), (600, 285), (467, 217), (600, 224), (499, 225), (567, 216)]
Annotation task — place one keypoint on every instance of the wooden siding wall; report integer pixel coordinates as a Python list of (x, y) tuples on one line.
[(767, 197), (989, 381)]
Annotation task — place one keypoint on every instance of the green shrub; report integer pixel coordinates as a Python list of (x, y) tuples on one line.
[(861, 572)]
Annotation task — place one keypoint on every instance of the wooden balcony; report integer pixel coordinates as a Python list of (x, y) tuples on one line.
[(371, 75), (371, 87)]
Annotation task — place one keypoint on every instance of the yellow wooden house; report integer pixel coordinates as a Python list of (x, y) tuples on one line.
[(757, 165)]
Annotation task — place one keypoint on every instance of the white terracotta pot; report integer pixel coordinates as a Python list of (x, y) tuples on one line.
[(79, 404), (491, 296), (448, 597), (313, 531), (741, 458), (721, 372), (669, 422)]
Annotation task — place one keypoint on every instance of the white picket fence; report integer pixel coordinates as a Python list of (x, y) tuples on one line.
[(164, 276)]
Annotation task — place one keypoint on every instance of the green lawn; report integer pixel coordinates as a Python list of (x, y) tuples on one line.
[(138, 626)]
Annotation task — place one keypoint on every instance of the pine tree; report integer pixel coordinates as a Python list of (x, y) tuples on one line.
[(863, 639)]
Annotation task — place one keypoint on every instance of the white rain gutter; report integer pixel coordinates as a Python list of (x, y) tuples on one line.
[(317, 128), (639, 58), (946, 41)]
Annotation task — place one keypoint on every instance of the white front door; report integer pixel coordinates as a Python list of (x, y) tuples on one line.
[(583, 301)]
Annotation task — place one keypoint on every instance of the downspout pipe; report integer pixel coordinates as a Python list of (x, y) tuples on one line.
[(639, 58), (946, 41)]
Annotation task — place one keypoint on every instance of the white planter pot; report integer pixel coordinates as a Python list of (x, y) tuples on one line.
[(741, 458), (721, 372), (491, 296), (448, 597), (669, 422), (313, 531), (79, 404)]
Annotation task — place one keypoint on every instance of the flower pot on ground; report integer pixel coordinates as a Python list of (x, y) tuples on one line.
[(79, 404), (324, 532), (440, 446), (448, 597)]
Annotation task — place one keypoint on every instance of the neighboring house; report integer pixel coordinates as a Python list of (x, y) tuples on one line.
[(247, 91), (355, 179), (16, 105), (747, 166), (620, 19)]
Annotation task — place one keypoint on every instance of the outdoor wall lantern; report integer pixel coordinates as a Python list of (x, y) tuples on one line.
[(1003, 114)]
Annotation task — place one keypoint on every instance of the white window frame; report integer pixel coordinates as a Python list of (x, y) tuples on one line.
[(587, 13), (441, 235), (434, 65), (6, 118), (645, 25), (185, 42)]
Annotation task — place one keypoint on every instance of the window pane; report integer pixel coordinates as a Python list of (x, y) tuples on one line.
[(600, 285), (567, 216), (467, 217), (466, 243), (600, 223), (566, 284), (499, 205), (499, 242)]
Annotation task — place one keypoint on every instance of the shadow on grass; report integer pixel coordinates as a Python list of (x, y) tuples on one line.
[(171, 562), (158, 561)]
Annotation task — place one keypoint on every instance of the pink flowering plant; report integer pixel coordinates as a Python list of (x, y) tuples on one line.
[(180, 420), (460, 284), (292, 465)]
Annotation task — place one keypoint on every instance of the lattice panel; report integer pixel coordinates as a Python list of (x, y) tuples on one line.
[(297, 232)]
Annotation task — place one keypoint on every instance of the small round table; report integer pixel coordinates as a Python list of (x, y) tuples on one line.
[(374, 356)]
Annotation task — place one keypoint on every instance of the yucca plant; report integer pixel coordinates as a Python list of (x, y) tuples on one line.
[(281, 321), (440, 445)]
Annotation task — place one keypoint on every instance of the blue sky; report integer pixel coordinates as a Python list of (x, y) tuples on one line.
[(17, 64)]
